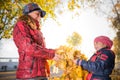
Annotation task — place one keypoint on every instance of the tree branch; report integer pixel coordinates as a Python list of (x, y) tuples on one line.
[(116, 11)]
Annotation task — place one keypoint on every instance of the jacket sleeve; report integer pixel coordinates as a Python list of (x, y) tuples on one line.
[(37, 51), (105, 61), (24, 43)]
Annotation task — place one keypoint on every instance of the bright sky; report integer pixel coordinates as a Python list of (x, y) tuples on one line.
[(87, 24)]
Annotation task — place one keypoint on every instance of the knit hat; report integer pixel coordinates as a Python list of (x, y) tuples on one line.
[(33, 7), (105, 40)]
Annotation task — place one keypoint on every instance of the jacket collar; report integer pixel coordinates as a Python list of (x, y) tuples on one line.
[(102, 49)]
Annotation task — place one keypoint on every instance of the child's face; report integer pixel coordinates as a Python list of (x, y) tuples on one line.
[(99, 45)]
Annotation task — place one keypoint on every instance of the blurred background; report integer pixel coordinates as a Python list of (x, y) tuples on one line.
[(68, 23)]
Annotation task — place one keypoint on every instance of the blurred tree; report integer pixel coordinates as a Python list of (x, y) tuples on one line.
[(116, 25), (74, 40), (10, 10), (117, 47), (72, 4)]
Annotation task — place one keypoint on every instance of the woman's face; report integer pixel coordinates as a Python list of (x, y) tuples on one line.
[(35, 15), (99, 45)]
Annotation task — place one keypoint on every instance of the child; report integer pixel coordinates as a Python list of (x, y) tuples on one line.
[(101, 64)]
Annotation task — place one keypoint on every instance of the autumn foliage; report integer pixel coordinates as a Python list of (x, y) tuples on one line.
[(70, 70)]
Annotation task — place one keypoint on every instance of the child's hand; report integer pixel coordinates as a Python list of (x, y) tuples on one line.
[(75, 61)]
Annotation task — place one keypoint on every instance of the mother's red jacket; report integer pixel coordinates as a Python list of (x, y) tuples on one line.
[(33, 54)]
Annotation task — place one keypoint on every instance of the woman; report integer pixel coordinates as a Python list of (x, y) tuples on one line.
[(33, 54)]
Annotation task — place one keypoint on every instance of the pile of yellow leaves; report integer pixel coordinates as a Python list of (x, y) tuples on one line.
[(70, 70)]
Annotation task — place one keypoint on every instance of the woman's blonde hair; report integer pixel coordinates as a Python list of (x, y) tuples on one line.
[(29, 21)]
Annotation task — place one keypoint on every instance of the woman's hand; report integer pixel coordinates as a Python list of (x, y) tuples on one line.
[(56, 57)]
